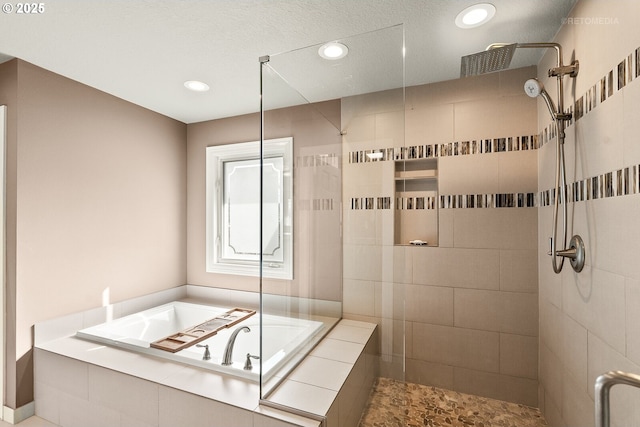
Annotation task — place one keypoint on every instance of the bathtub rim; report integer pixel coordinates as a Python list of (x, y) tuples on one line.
[(300, 349)]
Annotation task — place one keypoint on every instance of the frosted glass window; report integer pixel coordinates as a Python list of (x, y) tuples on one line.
[(233, 209)]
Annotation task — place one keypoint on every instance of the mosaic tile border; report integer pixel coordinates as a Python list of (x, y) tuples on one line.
[(316, 205), (498, 200), (613, 81), (459, 148), (316, 160), (621, 182)]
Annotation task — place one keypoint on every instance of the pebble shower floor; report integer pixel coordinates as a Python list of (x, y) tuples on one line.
[(397, 404)]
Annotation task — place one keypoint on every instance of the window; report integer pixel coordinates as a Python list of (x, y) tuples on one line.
[(233, 208)]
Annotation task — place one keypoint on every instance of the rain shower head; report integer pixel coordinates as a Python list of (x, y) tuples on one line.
[(497, 57)]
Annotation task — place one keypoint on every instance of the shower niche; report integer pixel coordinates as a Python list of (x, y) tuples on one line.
[(416, 197)]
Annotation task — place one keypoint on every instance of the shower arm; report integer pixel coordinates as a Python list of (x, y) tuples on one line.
[(559, 71)]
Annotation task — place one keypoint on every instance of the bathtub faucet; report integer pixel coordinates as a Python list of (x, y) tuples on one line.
[(227, 359)]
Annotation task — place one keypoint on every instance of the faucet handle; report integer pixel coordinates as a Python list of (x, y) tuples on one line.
[(247, 365), (207, 354)]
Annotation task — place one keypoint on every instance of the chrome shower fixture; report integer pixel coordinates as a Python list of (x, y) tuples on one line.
[(534, 88), (498, 57), (495, 58)]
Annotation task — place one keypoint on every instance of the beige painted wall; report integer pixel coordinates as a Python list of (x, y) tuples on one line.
[(99, 208), (465, 313), (589, 322), (317, 239)]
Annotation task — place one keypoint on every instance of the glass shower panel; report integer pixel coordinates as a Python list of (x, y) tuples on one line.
[(346, 118), (305, 307)]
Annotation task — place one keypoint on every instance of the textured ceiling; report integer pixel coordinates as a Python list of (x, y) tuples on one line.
[(143, 50)]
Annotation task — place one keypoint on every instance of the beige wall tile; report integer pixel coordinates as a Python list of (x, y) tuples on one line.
[(512, 83), (616, 234), (632, 292), (471, 88), (551, 328), (445, 228), (597, 301), (602, 358), (577, 406), (360, 227), (362, 262), (631, 127), (519, 270), (575, 350), (390, 129), (552, 415), (599, 138), (625, 410), (499, 228), (402, 264), (519, 356), (429, 304), (435, 374), (503, 387), (510, 312), (456, 346), (453, 267), (429, 124), (478, 309), (358, 297), (484, 118), (470, 174), (550, 373), (518, 171), (519, 313)]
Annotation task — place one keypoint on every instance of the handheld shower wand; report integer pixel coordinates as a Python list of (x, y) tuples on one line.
[(575, 252), (498, 57)]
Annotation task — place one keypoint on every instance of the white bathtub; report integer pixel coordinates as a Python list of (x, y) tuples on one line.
[(283, 337)]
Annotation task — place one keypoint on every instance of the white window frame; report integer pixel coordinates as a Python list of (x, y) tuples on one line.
[(219, 260)]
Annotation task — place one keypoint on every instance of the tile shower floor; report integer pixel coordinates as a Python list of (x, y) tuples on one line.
[(397, 404)]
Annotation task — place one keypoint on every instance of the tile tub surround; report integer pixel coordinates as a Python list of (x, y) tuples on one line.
[(82, 383), (393, 403)]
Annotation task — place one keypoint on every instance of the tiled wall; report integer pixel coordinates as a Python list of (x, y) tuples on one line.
[(588, 321), (470, 304)]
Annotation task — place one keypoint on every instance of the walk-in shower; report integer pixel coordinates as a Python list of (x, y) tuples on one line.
[(498, 57)]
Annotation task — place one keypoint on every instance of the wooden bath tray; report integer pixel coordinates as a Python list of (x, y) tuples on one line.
[(188, 337)]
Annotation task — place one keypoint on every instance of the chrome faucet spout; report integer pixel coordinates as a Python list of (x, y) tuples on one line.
[(227, 359)]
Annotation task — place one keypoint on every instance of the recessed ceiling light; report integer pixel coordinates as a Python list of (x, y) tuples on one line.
[(196, 86), (333, 51), (475, 15)]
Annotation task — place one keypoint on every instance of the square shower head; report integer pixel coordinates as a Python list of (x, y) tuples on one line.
[(493, 59)]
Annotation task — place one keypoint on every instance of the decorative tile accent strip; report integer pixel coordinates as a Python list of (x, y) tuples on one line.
[(501, 200), (461, 148), (358, 203), (409, 203), (316, 160), (611, 184), (615, 80), (316, 205)]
